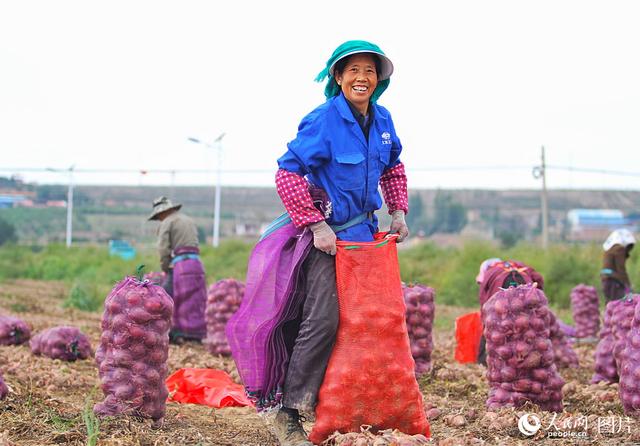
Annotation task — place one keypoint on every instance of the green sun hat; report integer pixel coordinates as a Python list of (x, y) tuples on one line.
[(347, 49)]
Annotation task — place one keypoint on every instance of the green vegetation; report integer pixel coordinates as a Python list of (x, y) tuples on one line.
[(91, 273)]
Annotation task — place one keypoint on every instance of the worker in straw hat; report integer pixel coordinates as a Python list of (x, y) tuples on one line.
[(346, 148), (180, 261)]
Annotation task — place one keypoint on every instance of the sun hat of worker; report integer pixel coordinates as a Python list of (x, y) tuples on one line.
[(350, 48), (160, 205)]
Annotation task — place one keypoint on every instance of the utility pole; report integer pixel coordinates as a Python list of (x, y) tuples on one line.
[(70, 207), (545, 204), (541, 172)]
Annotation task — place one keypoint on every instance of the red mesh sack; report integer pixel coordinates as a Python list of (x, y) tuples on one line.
[(13, 331), (622, 321), (468, 333), (370, 377), (586, 310), (65, 343), (133, 351), (4, 390), (520, 356), (223, 300), (605, 368), (419, 300)]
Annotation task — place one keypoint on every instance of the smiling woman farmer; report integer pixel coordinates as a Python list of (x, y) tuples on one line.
[(328, 182)]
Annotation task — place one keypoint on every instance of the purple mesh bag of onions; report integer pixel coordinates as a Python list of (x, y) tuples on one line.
[(629, 368), (520, 356), (65, 343), (155, 277), (585, 306), (133, 351), (419, 300), (605, 364), (565, 356), (13, 331), (622, 321), (223, 300), (4, 390)]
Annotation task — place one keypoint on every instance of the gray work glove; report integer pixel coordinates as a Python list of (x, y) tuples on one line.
[(324, 238), (399, 226)]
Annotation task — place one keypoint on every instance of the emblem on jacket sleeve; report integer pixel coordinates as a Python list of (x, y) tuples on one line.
[(386, 138)]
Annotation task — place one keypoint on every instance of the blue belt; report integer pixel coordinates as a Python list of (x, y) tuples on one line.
[(182, 257), (606, 271), (284, 219)]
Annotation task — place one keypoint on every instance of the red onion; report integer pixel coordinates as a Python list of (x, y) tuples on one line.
[(4, 390)]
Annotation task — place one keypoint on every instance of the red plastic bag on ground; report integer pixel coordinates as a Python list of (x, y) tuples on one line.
[(370, 377), (468, 333), (210, 387)]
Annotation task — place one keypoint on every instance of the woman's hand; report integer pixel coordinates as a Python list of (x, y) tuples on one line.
[(399, 226), (324, 238)]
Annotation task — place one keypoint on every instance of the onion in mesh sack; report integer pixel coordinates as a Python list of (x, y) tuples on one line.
[(585, 306), (565, 356), (133, 351), (223, 300), (4, 390), (520, 357), (419, 300), (13, 331), (605, 364), (65, 343), (629, 368)]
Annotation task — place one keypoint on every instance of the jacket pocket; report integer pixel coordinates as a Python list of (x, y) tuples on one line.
[(350, 171)]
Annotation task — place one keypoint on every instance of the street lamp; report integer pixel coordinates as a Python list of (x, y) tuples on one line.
[(69, 203), (217, 145)]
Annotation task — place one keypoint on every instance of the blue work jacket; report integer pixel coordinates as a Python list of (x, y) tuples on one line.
[(332, 152)]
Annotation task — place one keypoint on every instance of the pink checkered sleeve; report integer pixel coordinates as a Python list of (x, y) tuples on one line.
[(294, 193), (393, 183)]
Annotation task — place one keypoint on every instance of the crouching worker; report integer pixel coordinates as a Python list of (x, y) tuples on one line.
[(615, 280), (283, 334), (185, 278)]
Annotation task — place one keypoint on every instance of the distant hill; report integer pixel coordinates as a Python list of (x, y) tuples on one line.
[(105, 212)]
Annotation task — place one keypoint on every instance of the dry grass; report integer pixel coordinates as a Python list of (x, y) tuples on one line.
[(49, 400)]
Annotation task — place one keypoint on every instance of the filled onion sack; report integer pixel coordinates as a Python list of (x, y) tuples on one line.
[(520, 356), (585, 306), (629, 367), (565, 356), (65, 343), (223, 300), (622, 320), (419, 300), (13, 331), (4, 390), (370, 378), (133, 351), (605, 368)]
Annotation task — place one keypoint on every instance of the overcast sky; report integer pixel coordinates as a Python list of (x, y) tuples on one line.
[(478, 84)]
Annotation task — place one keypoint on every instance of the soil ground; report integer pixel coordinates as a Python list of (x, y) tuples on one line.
[(50, 401)]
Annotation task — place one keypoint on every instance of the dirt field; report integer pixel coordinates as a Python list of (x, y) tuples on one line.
[(50, 400)]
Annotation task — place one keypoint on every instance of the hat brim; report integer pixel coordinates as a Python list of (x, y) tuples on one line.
[(386, 66), (154, 215)]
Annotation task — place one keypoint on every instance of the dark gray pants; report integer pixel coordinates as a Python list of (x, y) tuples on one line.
[(316, 334)]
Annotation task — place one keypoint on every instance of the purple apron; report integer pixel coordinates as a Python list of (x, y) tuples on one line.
[(189, 294), (256, 332)]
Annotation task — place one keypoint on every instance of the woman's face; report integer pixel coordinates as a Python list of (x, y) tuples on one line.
[(358, 80)]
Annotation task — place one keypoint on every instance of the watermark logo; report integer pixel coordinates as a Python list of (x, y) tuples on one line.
[(529, 424)]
